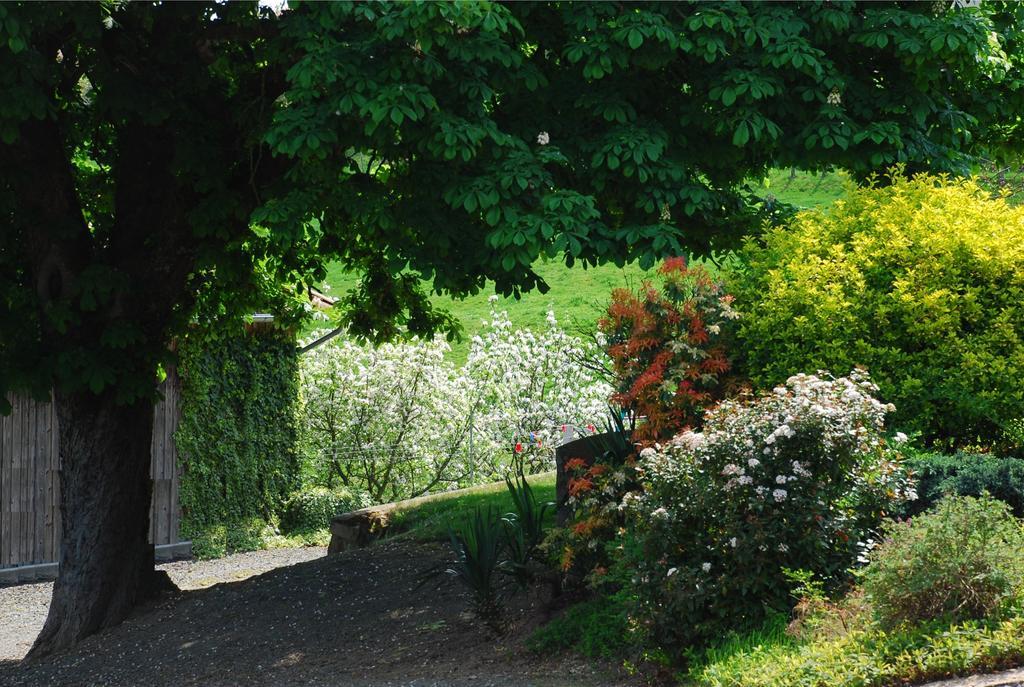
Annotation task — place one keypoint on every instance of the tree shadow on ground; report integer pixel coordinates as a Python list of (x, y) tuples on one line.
[(360, 618)]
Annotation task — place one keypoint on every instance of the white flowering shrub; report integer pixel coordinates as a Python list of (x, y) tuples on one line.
[(390, 420), (799, 478), (399, 420), (527, 388)]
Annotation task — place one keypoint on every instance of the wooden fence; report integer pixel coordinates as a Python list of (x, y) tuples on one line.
[(30, 480)]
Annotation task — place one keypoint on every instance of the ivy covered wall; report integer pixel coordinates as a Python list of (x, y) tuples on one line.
[(238, 434)]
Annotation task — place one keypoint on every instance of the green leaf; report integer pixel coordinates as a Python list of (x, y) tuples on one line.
[(493, 215), (741, 135)]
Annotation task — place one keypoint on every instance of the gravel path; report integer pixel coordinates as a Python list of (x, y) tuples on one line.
[(23, 607), (297, 617), (1008, 678)]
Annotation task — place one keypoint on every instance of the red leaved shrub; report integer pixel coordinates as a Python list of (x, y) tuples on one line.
[(668, 348)]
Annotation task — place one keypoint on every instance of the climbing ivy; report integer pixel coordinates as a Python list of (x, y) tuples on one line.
[(237, 435)]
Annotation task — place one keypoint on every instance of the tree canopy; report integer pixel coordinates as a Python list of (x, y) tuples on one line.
[(167, 162), (453, 142)]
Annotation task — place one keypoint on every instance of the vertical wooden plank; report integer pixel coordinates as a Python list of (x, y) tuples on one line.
[(25, 495), (55, 502), (42, 462), (5, 484), (174, 470), (154, 469), (17, 476), (10, 546), (163, 511), (47, 483), (7, 545), (36, 509)]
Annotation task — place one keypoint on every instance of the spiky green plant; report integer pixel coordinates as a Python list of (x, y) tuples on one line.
[(478, 546)]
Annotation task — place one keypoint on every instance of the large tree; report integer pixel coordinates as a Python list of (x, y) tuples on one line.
[(159, 161)]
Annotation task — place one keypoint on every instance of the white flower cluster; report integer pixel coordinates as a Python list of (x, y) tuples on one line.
[(776, 448), (399, 419)]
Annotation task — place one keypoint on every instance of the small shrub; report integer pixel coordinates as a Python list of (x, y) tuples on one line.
[(798, 478), (912, 280), (961, 560), (216, 541), (668, 348), (312, 508), (966, 474)]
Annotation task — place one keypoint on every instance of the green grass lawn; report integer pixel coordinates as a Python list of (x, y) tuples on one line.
[(429, 521), (578, 295), (804, 189)]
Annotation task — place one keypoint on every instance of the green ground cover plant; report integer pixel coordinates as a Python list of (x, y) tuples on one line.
[(871, 658), (598, 627)]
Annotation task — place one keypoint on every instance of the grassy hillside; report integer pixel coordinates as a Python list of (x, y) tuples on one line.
[(578, 295)]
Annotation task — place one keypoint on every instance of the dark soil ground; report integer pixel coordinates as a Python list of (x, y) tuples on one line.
[(358, 618)]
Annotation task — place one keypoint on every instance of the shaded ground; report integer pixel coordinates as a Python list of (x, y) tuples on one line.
[(354, 619)]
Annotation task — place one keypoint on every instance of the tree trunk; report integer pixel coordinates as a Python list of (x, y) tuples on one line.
[(106, 561)]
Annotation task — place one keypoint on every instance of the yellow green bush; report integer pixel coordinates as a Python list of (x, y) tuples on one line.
[(921, 281)]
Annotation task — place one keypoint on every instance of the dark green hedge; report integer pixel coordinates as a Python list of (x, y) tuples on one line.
[(966, 474), (238, 433)]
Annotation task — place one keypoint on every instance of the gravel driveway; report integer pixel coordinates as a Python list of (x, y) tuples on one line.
[(23, 607)]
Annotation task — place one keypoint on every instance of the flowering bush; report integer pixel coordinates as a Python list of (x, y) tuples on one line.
[(798, 478), (390, 419), (399, 420), (667, 348), (526, 388)]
